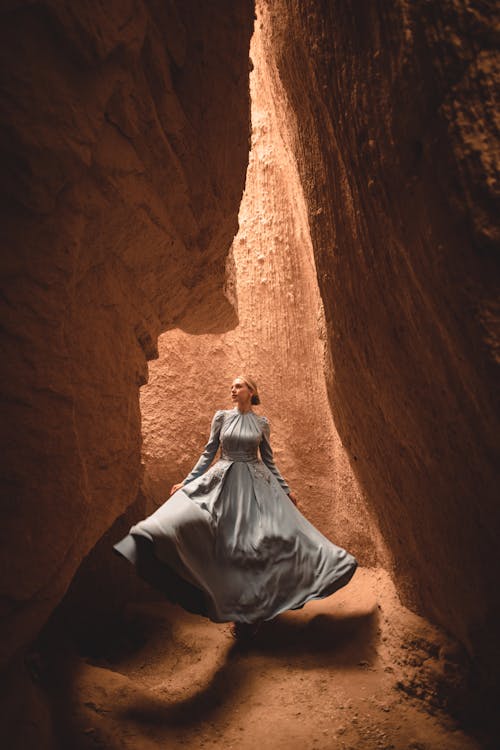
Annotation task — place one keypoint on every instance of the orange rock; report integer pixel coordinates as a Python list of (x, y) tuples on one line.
[(124, 155), (279, 340), (392, 116)]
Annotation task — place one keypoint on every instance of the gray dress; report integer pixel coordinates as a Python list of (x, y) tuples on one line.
[(230, 543)]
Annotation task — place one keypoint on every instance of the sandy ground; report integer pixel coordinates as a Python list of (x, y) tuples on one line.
[(356, 671)]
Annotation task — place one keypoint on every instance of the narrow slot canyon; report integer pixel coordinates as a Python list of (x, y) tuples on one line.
[(304, 192)]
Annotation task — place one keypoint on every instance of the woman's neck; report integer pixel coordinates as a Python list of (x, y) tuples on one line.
[(244, 409)]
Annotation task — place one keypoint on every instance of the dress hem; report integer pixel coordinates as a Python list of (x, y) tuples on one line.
[(139, 551)]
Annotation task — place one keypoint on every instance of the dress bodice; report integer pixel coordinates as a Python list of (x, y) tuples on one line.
[(240, 435)]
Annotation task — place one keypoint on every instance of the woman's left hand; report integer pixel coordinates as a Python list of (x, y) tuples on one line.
[(293, 498)]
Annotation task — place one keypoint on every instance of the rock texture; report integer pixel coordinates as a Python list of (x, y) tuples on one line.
[(393, 118), (278, 341), (124, 146)]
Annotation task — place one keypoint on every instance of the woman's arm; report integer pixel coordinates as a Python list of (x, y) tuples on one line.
[(266, 453), (209, 451)]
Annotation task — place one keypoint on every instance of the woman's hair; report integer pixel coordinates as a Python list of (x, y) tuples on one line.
[(253, 387)]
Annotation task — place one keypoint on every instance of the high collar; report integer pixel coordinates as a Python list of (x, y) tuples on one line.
[(243, 413)]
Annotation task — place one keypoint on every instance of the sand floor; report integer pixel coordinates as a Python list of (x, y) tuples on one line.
[(356, 671)]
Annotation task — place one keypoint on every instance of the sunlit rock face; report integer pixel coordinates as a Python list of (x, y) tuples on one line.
[(125, 132), (279, 341), (394, 135)]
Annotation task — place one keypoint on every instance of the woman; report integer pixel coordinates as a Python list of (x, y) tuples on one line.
[(230, 543)]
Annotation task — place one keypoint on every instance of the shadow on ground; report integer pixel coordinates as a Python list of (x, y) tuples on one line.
[(321, 642), (331, 674)]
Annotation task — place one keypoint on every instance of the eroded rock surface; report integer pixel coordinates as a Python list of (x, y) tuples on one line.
[(395, 140), (279, 341), (124, 147)]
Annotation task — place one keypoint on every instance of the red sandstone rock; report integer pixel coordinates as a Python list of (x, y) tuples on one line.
[(124, 148), (392, 110), (123, 157), (278, 341)]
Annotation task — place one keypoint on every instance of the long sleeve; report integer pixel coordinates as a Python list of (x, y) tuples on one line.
[(209, 451), (266, 453)]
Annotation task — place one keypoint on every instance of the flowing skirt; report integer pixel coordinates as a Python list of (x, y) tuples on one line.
[(232, 546)]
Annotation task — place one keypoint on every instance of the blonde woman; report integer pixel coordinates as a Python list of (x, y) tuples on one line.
[(230, 542)]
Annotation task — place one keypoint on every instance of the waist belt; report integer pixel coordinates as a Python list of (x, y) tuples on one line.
[(235, 456)]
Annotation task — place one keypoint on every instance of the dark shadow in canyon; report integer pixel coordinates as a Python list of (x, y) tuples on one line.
[(325, 641)]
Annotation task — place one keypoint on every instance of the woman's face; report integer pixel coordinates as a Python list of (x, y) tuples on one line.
[(241, 394)]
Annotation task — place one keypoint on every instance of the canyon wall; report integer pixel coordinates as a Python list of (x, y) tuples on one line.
[(125, 130), (124, 146), (279, 341), (391, 110)]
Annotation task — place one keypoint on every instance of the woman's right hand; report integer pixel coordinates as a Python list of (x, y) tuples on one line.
[(176, 487)]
